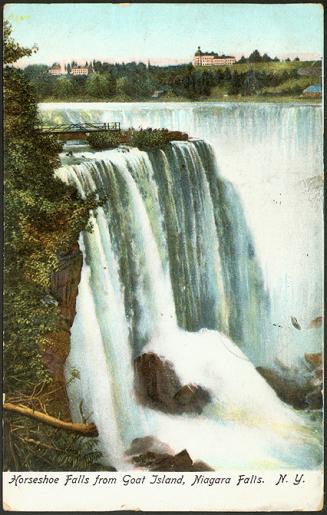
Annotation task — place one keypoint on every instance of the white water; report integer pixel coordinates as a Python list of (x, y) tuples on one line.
[(245, 425), (272, 153)]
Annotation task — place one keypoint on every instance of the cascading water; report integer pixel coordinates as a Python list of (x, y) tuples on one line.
[(272, 153), (170, 216), (171, 262)]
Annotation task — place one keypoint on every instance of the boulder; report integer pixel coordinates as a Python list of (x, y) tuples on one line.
[(148, 444), (192, 397), (166, 461), (314, 399), (155, 381), (287, 389), (158, 386), (299, 390), (313, 359), (181, 462)]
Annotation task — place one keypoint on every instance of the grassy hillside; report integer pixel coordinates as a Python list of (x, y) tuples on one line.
[(291, 79), (269, 67)]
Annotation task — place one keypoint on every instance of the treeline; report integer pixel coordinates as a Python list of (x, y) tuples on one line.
[(136, 81), (256, 57), (254, 82), (133, 81)]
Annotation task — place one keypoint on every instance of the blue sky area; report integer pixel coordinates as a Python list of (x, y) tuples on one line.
[(165, 33)]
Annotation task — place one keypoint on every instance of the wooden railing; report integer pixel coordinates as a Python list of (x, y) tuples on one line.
[(80, 127)]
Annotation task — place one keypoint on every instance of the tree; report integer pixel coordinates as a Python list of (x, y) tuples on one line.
[(296, 59), (251, 84), (98, 85), (235, 84), (63, 87), (266, 58), (43, 218), (121, 85), (12, 50), (227, 75), (255, 57), (242, 60), (34, 72)]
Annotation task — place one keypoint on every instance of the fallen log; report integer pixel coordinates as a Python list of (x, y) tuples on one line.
[(82, 429)]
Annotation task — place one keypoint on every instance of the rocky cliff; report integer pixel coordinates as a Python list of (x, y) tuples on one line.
[(64, 289)]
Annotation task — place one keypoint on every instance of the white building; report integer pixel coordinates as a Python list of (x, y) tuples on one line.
[(55, 69), (211, 59), (79, 70)]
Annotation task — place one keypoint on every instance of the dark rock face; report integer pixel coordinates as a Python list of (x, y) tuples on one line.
[(152, 459), (157, 385), (63, 292), (301, 388), (64, 284), (64, 288), (148, 444), (314, 359), (286, 389)]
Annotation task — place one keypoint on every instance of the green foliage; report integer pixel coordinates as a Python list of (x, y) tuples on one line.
[(143, 139), (63, 87), (12, 50), (135, 81), (291, 86), (105, 140), (35, 71), (255, 57), (147, 139), (42, 220), (30, 446), (100, 85)]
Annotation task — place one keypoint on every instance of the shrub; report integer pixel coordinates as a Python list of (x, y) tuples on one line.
[(144, 139), (105, 140)]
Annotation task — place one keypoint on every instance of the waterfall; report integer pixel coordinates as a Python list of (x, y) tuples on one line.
[(170, 267), (180, 244), (272, 154)]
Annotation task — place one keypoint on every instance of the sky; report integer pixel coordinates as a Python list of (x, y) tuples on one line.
[(165, 33)]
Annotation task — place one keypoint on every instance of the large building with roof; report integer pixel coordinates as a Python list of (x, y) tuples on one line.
[(55, 69), (80, 70), (211, 59)]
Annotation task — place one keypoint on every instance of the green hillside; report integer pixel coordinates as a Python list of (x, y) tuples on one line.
[(268, 67)]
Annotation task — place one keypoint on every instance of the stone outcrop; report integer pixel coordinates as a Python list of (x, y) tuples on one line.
[(314, 359), (63, 290), (177, 136), (301, 388), (148, 444), (158, 386), (150, 453)]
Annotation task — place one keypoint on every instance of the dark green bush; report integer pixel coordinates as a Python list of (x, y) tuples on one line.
[(144, 139), (105, 140)]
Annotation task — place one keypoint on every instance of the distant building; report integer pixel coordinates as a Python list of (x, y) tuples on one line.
[(313, 91), (55, 69), (211, 59), (79, 70)]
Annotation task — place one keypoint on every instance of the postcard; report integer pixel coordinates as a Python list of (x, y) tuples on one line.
[(163, 244)]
